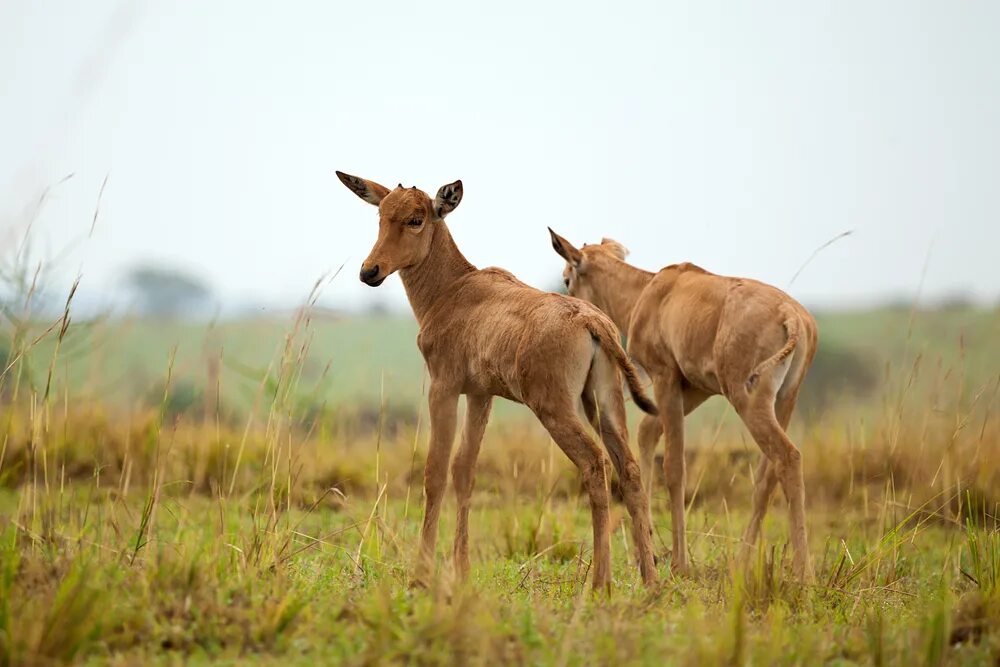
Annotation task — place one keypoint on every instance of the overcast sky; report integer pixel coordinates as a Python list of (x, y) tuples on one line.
[(739, 136)]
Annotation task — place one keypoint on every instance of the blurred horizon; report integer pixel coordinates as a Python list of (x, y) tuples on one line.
[(689, 135)]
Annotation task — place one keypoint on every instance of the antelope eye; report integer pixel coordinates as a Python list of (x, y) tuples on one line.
[(416, 222), (566, 280)]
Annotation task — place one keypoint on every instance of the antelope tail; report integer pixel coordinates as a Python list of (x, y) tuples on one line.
[(607, 338), (791, 324)]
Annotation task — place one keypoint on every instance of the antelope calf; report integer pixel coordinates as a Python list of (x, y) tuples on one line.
[(483, 333), (698, 334)]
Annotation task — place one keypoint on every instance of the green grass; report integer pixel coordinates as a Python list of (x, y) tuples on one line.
[(198, 592), (140, 524), (141, 544)]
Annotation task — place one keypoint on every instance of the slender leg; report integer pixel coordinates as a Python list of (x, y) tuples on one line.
[(611, 425), (786, 460), (443, 407), (569, 433), (650, 430), (766, 477), (463, 469), (670, 401)]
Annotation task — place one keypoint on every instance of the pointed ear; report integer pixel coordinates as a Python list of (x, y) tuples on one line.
[(616, 248), (448, 198), (565, 249), (370, 191)]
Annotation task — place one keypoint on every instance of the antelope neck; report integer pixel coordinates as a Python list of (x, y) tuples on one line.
[(435, 276)]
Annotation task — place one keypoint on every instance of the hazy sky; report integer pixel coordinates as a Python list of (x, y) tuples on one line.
[(739, 136)]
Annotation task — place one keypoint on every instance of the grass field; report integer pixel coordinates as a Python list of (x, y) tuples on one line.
[(212, 581), (248, 525)]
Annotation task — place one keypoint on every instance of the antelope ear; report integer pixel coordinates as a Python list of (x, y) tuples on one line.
[(448, 198), (565, 249), (370, 191), (616, 248)]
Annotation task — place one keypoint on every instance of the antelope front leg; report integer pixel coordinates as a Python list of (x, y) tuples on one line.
[(463, 474), (443, 403), (670, 401)]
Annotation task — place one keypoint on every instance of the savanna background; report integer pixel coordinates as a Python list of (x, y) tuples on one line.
[(212, 435)]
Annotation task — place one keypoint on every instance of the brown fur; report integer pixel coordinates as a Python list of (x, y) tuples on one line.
[(606, 336), (483, 333), (698, 334)]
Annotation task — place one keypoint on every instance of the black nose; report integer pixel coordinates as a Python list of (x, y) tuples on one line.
[(368, 275)]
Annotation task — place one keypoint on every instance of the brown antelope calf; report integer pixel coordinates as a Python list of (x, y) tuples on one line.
[(483, 333), (698, 334)]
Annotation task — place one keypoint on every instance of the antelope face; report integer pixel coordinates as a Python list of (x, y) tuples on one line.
[(407, 218), (585, 265), (404, 234)]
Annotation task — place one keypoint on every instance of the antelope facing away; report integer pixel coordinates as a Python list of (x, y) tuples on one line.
[(483, 333), (698, 334)]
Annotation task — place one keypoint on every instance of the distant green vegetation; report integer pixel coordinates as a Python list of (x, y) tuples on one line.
[(968, 337), (360, 362), (347, 360)]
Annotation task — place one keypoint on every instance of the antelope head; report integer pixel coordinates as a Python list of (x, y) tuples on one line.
[(586, 266), (407, 218)]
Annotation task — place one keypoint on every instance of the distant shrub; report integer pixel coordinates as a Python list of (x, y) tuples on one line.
[(957, 301), (360, 419), (167, 292), (837, 372), (899, 303), (183, 398)]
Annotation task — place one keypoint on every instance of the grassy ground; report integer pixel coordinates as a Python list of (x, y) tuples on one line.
[(138, 529), (139, 541), (208, 581)]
